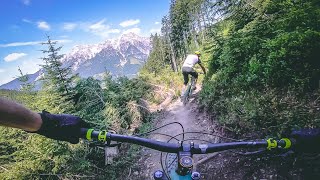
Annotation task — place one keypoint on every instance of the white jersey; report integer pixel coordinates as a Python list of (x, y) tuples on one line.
[(191, 60)]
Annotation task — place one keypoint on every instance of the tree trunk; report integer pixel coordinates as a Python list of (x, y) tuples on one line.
[(185, 42), (173, 58)]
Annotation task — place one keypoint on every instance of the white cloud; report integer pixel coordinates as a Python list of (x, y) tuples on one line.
[(63, 41), (101, 29), (15, 44), (43, 25), (114, 31), (134, 30), (107, 32), (130, 22), (98, 26), (157, 22), (2, 70), (14, 56), (26, 2), (154, 31), (26, 20), (32, 43), (69, 26)]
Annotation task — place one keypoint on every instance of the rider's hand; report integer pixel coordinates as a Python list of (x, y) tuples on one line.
[(62, 127), (307, 140)]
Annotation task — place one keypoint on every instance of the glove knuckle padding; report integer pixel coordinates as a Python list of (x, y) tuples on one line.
[(63, 127)]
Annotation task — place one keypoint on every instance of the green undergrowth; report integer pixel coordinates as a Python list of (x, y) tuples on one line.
[(264, 70), (108, 104)]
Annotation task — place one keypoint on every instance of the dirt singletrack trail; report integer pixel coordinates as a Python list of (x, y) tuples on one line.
[(222, 165), (191, 119)]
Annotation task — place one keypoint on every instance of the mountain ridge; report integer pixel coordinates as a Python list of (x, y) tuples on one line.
[(120, 57)]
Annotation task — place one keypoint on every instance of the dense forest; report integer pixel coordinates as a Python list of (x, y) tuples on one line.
[(264, 74), (262, 57)]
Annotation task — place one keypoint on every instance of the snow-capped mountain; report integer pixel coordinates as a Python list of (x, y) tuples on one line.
[(121, 57), (16, 84)]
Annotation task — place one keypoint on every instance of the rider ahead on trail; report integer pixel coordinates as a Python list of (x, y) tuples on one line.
[(187, 68)]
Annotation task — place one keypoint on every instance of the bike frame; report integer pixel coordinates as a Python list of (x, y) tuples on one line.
[(188, 91), (182, 170)]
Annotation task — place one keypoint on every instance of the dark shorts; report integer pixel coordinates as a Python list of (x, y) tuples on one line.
[(186, 71)]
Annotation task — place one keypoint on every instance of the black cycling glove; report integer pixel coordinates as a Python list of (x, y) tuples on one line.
[(62, 127), (307, 140)]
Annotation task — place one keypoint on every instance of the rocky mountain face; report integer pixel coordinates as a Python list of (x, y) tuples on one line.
[(120, 57)]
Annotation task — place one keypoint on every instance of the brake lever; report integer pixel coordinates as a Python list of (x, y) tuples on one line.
[(112, 145), (98, 144), (286, 154), (251, 153)]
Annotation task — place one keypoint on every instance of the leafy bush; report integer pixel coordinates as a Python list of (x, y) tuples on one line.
[(264, 73)]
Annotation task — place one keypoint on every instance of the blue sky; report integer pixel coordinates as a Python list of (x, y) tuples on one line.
[(25, 23)]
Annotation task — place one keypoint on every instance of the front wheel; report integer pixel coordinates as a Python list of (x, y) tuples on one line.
[(185, 98), (171, 164)]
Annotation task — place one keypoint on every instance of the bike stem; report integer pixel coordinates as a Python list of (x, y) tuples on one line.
[(185, 165)]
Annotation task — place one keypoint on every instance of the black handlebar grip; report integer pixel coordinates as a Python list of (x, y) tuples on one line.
[(307, 140)]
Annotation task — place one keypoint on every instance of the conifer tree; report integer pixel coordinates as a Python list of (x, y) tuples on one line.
[(23, 78), (56, 77)]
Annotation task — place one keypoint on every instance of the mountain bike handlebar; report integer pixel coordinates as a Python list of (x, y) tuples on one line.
[(104, 136)]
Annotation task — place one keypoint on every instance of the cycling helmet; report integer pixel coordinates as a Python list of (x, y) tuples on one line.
[(197, 53)]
